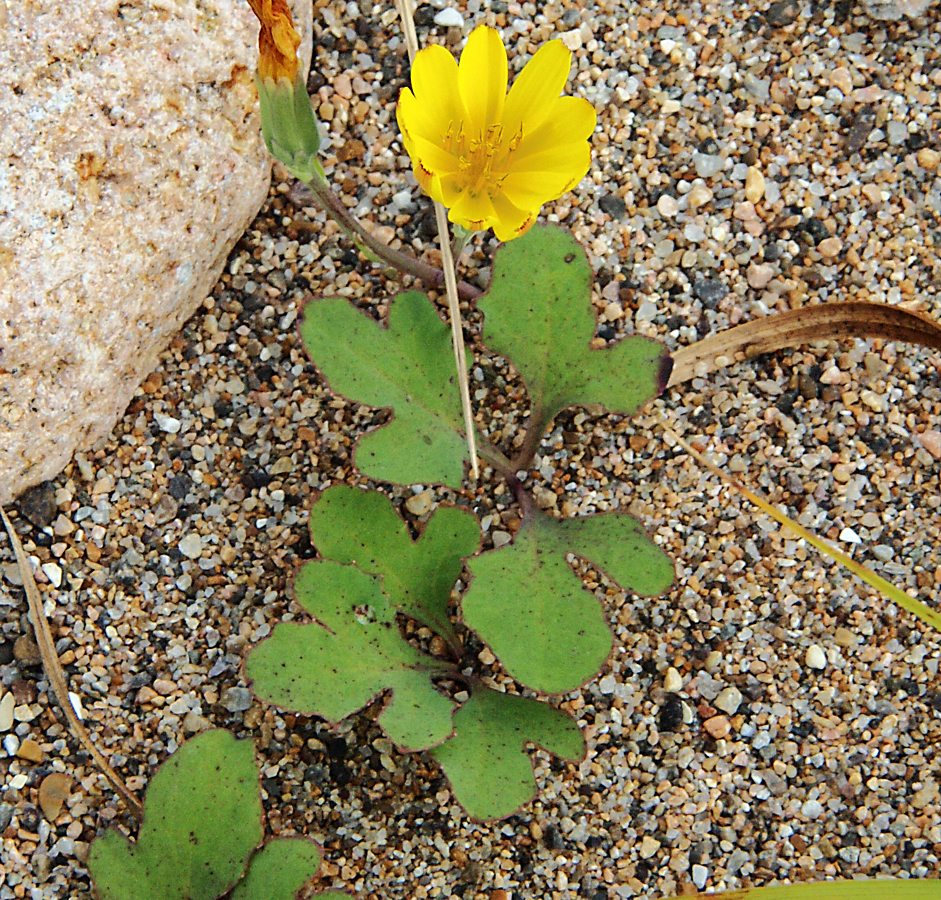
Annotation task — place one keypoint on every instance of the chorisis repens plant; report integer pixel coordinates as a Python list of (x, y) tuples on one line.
[(524, 599)]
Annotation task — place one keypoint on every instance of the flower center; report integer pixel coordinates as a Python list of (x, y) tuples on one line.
[(483, 159)]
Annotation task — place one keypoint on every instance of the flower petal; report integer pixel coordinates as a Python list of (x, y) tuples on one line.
[(434, 83), (531, 97), (482, 77), (511, 221), (552, 174), (473, 211), (571, 120)]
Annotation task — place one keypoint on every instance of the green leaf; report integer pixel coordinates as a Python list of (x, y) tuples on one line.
[(363, 528), (335, 668), (860, 889), (539, 316), (532, 609), (486, 761), (202, 821), (279, 870), (407, 367)]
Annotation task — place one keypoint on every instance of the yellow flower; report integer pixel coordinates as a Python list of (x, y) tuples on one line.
[(277, 41), (490, 157)]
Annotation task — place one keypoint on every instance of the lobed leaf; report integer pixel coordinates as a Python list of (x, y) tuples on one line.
[(355, 653), (530, 607), (538, 314), (362, 528), (486, 762), (280, 869), (202, 822), (407, 367)]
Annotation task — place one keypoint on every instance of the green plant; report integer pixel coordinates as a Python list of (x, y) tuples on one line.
[(524, 601), (200, 835)]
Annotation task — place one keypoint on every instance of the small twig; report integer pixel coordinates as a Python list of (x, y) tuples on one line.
[(450, 277), (535, 429), (56, 675), (323, 196)]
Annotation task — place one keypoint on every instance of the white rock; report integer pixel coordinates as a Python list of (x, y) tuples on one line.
[(729, 700), (169, 424), (812, 809), (667, 206), (6, 711), (53, 572), (672, 681), (893, 10), (449, 18), (815, 658), (132, 162), (648, 846), (700, 874), (191, 546)]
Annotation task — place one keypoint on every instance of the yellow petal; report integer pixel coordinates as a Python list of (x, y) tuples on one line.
[(511, 221), (572, 119), (482, 77), (433, 157), (473, 212), (434, 83), (554, 172), (531, 97)]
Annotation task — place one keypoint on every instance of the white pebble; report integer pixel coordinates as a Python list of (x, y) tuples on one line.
[(449, 18), (812, 809), (168, 423), (815, 657), (53, 573), (850, 536), (667, 206), (191, 546), (729, 700), (700, 874), (6, 712), (672, 681)]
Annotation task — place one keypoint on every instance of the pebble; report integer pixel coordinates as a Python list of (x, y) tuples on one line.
[(717, 727), (707, 165), (648, 847), (191, 546), (700, 875), (759, 275), (30, 751), (931, 441), (815, 658), (421, 503), (667, 206), (728, 700), (168, 423), (53, 572), (53, 792), (830, 247), (449, 18), (672, 681), (236, 699), (928, 159), (6, 711), (754, 185), (812, 809)]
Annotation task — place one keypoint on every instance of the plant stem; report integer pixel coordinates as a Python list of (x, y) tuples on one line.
[(324, 197), (535, 429)]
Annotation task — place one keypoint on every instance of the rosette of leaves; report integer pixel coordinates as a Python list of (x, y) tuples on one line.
[(201, 836), (525, 599)]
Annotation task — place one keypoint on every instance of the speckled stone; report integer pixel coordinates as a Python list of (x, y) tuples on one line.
[(132, 162)]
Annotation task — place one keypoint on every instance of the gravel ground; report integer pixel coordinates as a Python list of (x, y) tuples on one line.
[(768, 719)]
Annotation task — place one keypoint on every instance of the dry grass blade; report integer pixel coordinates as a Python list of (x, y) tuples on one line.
[(827, 321), (406, 16), (861, 889), (56, 675), (924, 612)]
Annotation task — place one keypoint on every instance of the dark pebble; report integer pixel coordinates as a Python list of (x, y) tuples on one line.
[(782, 13), (710, 291), (38, 504), (6, 816), (179, 486), (613, 205), (671, 713)]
